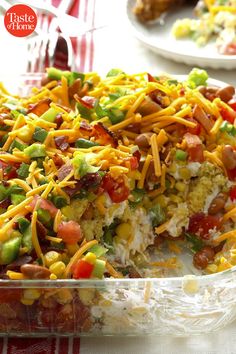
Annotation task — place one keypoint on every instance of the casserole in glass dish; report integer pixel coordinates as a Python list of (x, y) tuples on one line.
[(179, 306)]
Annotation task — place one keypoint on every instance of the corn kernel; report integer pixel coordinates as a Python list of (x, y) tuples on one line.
[(53, 276), (211, 268), (86, 296), (57, 268), (161, 200), (124, 230), (64, 296), (184, 173), (26, 302), (90, 258), (51, 257), (72, 249), (172, 168), (175, 198), (180, 186), (31, 294)]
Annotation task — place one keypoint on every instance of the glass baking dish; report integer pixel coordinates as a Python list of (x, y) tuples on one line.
[(177, 306)]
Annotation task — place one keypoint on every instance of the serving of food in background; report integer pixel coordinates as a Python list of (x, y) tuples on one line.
[(113, 178), (216, 22), (187, 31)]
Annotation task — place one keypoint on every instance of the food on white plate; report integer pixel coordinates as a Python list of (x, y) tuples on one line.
[(216, 21), (149, 10), (114, 178)]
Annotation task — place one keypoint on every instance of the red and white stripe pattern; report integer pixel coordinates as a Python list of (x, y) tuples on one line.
[(84, 51), (40, 345), (84, 44)]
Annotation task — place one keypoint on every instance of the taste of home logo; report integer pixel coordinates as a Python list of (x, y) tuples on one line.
[(20, 20)]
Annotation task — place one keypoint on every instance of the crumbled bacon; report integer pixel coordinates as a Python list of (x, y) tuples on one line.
[(64, 171), (104, 136), (86, 101), (40, 107), (57, 160), (5, 203), (62, 142), (58, 120), (85, 126)]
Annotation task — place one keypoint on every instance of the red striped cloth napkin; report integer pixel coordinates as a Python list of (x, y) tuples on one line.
[(84, 52)]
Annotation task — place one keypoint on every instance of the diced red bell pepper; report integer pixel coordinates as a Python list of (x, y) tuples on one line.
[(196, 130), (228, 115), (82, 270)]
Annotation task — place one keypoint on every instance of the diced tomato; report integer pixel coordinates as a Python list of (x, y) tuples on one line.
[(196, 154), (232, 174), (44, 204), (137, 154), (194, 147), (82, 270), (9, 171), (70, 232), (230, 49), (117, 190), (232, 193), (196, 130), (200, 224), (133, 162), (232, 104), (228, 115), (151, 78)]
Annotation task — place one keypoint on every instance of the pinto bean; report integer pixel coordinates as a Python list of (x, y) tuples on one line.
[(143, 140), (202, 257), (134, 128), (217, 204), (229, 157), (34, 271), (226, 93), (148, 106)]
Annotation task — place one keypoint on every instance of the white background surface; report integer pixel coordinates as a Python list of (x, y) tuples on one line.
[(116, 47)]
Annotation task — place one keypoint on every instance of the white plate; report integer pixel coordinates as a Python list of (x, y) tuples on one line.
[(159, 39)]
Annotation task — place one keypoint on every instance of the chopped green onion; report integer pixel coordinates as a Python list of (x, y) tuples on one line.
[(98, 250), (35, 150), (16, 144), (197, 243), (84, 143), (114, 72), (49, 115), (181, 155), (44, 216), (84, 111), (23, 224), (116, 115), (197, 77), (17, 198), (99, 268), (40, 134), (157, 215), (59, 201)]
